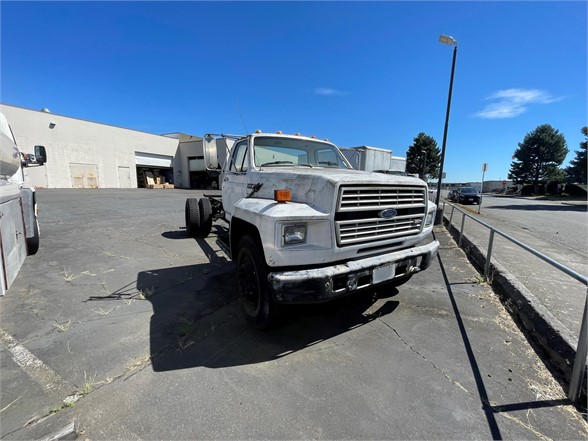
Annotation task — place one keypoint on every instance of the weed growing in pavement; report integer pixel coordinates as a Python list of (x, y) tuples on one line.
[(101, 311), (143, 294), (88, 386), (62, 327), (478, 280), (71, 400), (67, 276), (138, 362)]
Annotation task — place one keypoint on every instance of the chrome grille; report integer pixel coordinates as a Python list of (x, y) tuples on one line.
[(357, 220)]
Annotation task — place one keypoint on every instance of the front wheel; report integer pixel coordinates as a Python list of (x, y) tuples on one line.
[(256, 300)]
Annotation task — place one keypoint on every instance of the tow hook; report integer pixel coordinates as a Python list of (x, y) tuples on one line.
[(412, 269)]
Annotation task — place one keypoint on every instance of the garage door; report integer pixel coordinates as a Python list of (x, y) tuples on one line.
[(152, 160), (84, 175)]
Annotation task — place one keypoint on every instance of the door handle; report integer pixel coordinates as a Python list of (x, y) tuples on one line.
[(225, 179)]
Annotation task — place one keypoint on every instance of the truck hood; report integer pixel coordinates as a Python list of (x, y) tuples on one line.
[(318, 187)]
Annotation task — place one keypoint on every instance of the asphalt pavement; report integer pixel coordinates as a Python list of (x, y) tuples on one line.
[(129, 329)]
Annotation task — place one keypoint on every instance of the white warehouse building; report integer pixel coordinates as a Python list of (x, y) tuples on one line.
[(85, 154)]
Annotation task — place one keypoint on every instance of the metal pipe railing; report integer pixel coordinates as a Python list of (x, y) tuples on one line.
[(570, 272), (581, 351)]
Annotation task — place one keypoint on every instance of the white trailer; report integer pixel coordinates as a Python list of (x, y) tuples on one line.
[(19, 228), (367, 158)]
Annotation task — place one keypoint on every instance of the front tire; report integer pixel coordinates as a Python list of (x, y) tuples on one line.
[(256, 300)]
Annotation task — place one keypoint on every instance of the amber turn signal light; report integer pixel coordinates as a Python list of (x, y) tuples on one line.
[(282, 195)]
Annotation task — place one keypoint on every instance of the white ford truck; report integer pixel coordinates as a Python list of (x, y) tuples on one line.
[(304, 227)]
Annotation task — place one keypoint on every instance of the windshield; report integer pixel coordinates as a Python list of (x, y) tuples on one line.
[(468, 190), (278, 151)]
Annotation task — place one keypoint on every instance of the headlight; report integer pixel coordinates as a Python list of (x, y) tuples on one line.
[(294, 234), (429, 219)]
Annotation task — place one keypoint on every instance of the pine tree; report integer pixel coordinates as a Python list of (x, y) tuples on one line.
[(423, 157), (539, 157), (576, 171)]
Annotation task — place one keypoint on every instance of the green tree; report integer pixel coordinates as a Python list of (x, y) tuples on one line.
[(539, 156), (423, 157), (576, 171)]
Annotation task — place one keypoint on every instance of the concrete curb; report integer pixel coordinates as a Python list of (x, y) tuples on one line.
[(541, 327)]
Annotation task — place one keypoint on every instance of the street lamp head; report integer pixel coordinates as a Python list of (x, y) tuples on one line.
[(446, 39)]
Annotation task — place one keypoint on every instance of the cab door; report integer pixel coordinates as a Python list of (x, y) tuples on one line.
[(235, 178)]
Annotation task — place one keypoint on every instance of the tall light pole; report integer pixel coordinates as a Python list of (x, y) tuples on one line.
[(425, 165), (445, 39)]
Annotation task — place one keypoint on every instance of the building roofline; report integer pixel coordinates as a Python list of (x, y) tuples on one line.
[(87, 120)]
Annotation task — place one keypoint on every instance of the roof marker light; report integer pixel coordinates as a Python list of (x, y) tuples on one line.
[(279, 132), (258, 131)]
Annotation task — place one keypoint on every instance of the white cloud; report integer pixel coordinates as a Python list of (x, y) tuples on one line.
[(328, 91), (509, 103)]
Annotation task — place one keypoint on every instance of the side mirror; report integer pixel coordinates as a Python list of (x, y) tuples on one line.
[(41, 154)]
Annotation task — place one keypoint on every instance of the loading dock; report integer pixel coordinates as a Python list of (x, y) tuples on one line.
[(153, 169)]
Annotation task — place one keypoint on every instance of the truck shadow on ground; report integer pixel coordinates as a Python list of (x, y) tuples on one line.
[(197, 319)]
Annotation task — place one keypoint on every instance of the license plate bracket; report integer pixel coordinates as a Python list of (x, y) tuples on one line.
[(383, 273)]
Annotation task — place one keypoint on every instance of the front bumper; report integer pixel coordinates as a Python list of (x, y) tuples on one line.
[(323, 284)]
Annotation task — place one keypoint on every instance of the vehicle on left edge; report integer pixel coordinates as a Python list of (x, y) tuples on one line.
[(19, 227)]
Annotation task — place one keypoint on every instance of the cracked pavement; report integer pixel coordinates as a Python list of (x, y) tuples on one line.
[(141, 324)]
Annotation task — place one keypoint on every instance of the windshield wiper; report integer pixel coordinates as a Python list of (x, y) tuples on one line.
[(327, 163), (276, 163)]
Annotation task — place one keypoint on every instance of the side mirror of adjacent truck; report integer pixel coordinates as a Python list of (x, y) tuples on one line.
[(40, 154)]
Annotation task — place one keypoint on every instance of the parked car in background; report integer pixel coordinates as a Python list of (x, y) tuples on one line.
[(468, 195), (452, 195)]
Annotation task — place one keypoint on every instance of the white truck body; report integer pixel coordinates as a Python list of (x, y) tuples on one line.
[(304, 227), (367, 158), (19, 229)]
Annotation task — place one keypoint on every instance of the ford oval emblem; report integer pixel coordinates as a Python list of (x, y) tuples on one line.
[(388, 213)]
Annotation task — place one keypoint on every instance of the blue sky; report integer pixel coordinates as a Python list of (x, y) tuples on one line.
[(357, 73)]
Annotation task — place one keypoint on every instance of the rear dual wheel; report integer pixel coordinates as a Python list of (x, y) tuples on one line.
[(198, 215)]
